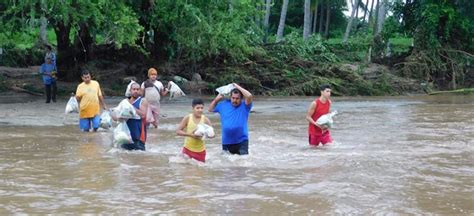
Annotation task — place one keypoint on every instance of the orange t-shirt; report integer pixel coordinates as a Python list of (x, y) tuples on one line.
[(321, 109), (89, 94)]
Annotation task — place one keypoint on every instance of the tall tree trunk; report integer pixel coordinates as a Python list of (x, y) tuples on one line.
[(351, 20), (321, 18), (84, 43), (365, 10), (307, 19), (376, 16), (44, 23), (370, 14), (281, 24), (357, 4), (381, 16), (315, 17), (328, 19), (65, 58), (266, 22)]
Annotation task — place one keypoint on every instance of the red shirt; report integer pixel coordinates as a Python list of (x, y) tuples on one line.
[(321, 109)]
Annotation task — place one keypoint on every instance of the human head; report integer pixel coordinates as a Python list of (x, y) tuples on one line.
[(235, 97), (48, 47), (86, 76), (135, 90), (152, 74), (198, 107), (148, 84), (48, 59), (325, 90)]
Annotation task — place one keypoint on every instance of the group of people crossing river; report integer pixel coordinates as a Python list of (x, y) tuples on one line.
[(234, 111)]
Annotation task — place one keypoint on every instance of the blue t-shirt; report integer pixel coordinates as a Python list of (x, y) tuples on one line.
[(46, 70), (234, 121)]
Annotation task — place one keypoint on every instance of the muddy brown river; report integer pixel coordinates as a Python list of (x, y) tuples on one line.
[(391, 155)]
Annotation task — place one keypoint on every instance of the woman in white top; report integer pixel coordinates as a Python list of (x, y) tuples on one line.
[(152, 90)]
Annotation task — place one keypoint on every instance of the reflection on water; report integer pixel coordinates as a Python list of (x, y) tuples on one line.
[(406, 155)]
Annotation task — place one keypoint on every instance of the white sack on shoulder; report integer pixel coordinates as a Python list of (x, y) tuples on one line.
[(128, 92), (175, 91), (125, 111), (225, 90)]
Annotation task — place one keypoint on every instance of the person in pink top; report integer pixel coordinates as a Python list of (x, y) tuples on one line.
[(319, 134)]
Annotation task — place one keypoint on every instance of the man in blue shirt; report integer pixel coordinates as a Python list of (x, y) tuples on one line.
[(49, 72), (234, 119)]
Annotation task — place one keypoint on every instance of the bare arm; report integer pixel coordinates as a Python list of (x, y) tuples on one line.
[(247, 95), (180, 130), (102, 102), (143, 108), (214, 102), (309, 114)]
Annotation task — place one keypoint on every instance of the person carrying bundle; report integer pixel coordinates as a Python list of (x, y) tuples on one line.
[(319, 133), (89, 96)]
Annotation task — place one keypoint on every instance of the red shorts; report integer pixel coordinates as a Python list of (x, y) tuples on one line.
[(324, 138), (199, 156)]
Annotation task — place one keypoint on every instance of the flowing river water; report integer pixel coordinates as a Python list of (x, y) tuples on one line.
[(391, 155)]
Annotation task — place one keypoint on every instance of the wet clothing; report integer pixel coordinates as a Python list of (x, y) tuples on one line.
[(89, 105), (324, 138), (321, 109), (316, 135), (190, 143), (199, 156), (85, 123), (241, 148), (152, 95), (234, 121), (137, 127)]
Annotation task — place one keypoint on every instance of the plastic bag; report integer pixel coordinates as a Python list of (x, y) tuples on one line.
[(326, 119), (204, 130), (105, 120), (72, 106), (225, 90), (175, 91), (128, 92), (124, 111), (122, 135)]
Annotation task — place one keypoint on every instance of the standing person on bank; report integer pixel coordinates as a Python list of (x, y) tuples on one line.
[(90, 99), (234, 114), (49, 72), (319, 134)]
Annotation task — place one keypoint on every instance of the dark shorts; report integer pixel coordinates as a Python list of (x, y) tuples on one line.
[(239, 148), (137, 145)]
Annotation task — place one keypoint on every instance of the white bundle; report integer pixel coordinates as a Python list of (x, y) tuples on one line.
[(175, 91), (105, 120), (225, 90), (72, 106), (128, 92), (124, 111), (326, 120), (122, 135), (204, 130)]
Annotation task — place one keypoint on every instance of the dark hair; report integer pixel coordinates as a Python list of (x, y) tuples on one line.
[(85, 72), (48, 47), (197, 101), (148, 84), (236, 91), (324, 87)]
